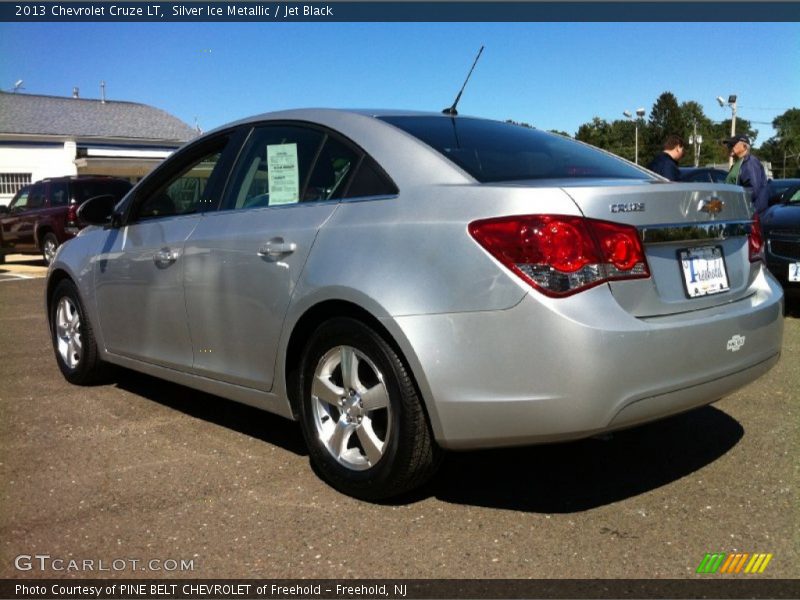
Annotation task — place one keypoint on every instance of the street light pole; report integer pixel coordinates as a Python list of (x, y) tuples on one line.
[(732, 103), (640, 112)]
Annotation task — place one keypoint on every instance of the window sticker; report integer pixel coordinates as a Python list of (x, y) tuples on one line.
[(284, 179)]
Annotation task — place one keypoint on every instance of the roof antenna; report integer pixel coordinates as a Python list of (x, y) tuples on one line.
[(18, 86), (452, 110)]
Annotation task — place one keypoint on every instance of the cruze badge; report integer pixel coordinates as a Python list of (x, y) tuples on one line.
[(712, 206), (627, 207), (735, 343)]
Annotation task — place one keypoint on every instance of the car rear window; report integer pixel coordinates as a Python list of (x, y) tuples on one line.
[(493, 151)]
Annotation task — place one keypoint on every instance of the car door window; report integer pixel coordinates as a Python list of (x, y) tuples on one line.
[(188, 187), (34, 199), (274, 167), (20, 201)]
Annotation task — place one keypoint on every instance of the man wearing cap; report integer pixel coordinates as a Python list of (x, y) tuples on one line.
[(748, 171)]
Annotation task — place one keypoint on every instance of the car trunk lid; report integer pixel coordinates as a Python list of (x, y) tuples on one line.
[(695, 238)]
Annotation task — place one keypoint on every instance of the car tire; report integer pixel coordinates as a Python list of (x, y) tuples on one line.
[(73, 339), (362, 418), (49, 247)]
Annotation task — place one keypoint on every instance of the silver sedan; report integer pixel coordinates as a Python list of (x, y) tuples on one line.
[(404, 283)]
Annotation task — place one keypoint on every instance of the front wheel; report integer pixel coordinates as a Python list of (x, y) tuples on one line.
[(73, 339), (362, 418)]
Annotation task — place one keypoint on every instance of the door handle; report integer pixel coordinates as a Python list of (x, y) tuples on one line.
[(277, 247), (165, 257)]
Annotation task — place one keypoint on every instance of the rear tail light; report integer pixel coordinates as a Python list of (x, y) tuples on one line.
[(72, 214), (560, 255), (755, 241)]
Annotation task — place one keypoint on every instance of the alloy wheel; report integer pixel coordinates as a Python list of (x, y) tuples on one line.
[(49, 249), (68, 332), (350, 408)]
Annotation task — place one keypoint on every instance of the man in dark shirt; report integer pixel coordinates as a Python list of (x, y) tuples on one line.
[(666, 163)]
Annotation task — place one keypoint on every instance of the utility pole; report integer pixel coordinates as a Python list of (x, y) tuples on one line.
[(696, 141)]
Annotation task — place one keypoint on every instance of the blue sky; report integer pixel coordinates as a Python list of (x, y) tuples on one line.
[(552, 75)]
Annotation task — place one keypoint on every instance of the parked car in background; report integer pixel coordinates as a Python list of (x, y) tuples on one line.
[(43, 216), (781, 226), (400, 283), (703, 174), (779, 187)]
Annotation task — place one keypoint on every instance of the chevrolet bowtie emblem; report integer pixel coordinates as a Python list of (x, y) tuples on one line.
[(712, 206)]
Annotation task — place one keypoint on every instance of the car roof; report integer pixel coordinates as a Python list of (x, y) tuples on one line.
[(389, 145), (312, 113), (324, 115)]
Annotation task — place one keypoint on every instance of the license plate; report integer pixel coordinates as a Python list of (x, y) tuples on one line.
[(794, 271), (704, 271)]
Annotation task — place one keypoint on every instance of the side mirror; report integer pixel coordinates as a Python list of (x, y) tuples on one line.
[(97, 210)]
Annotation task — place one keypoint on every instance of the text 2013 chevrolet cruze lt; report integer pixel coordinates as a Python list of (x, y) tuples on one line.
[(403, 283)]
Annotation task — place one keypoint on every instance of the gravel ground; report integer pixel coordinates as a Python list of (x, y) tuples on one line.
[(142, 470)]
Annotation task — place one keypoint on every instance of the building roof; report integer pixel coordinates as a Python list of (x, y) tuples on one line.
[(78, 117)]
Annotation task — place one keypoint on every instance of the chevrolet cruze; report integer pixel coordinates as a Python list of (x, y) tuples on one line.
[(402, 283)]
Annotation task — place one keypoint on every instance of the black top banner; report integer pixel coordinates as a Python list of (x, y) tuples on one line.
[(281, 12)]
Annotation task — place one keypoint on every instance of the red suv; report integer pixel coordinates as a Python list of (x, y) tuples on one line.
[(42, 216)]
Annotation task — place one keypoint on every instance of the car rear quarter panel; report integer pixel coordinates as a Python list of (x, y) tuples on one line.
[(413, 255)]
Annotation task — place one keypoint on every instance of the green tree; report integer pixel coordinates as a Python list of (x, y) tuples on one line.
[(666, 118), (783, 149), (722, 131), (595, 133), (699, 125)]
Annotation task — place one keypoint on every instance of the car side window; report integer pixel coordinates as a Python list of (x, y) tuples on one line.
[(370, 180), (697, 176), (186, 189), (718, 176), (35, 199), (274, 167), (335, 163), (21, 201), (59, 193)]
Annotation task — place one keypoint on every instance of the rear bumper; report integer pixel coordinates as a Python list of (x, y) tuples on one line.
[(552, 370)]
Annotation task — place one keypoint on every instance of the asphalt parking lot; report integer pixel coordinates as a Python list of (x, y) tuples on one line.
[(142, 470)]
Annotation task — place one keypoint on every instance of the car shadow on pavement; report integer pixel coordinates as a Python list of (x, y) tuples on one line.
[(244, 419), (550, 478), (576, 476)]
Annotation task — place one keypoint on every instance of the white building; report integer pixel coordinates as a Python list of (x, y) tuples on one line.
[(50, 136)]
